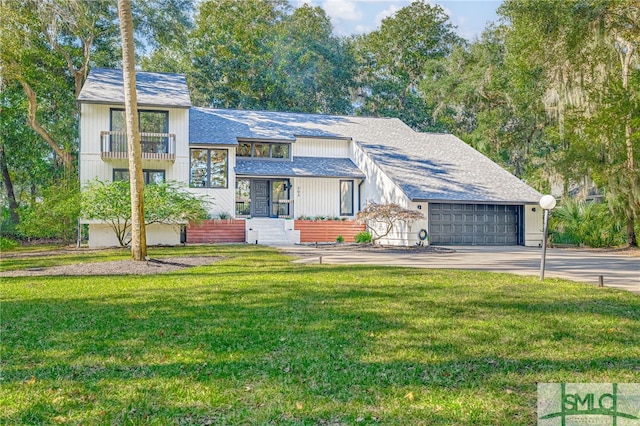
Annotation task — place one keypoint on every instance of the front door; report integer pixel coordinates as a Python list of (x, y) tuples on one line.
[(261, 192)]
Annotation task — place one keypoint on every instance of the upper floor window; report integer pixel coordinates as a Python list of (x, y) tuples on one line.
[(150, 176), (149, 121), (209, 168), (154, 125), (264, 150)]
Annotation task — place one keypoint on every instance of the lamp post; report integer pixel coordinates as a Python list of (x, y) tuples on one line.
[(547, 202)]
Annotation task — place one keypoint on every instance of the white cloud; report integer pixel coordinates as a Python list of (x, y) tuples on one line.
[(361, 29), (345, 10), (390, 11)]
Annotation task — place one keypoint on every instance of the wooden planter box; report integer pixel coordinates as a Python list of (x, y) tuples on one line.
[(217, 231), (326, 231)]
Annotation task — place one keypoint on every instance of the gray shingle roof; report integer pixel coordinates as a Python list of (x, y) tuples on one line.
[(426, 166), (300, 167), (105, 86)]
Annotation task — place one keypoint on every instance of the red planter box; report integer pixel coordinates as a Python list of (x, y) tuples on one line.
[(217, 231), (326, 231)]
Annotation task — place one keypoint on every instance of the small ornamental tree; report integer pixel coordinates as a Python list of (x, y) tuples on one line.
[(165, 202), (381, 218)]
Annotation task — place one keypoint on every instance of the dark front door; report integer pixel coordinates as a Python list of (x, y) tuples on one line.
[(261, 198)]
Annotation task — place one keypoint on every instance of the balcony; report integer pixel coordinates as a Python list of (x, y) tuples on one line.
[(155, 146)]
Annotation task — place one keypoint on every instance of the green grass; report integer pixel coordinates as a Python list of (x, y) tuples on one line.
[(255, 339)]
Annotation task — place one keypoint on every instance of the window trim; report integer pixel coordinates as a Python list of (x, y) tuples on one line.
[(208, 183), (352, 187)]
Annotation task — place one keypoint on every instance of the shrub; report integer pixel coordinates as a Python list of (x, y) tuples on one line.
[(585, 223), (340, 239), (7, 244), (363, 237), (166, 202), (54, 215)]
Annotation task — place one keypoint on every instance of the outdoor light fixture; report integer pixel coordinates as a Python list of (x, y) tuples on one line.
[(547, 202)]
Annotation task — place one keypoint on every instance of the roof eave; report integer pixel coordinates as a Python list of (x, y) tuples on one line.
[(140, 104), (451, 201)]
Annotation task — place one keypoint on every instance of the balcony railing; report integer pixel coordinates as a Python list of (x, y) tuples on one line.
[(155, 146)]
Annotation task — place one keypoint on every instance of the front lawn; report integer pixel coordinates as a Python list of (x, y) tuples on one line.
[(255, 339)]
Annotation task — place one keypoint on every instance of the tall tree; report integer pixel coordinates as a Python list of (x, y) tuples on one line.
[(587, 53), (231, 50), (395, 59), (476, 94), (257, 54), (314, 68), (136, 179)]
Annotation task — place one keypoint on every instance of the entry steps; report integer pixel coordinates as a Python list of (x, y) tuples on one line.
[(271, 232)]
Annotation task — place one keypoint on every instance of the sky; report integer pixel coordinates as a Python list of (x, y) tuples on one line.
[(362, 16)]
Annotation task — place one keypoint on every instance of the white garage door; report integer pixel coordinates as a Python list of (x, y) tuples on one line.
[(474, 224)]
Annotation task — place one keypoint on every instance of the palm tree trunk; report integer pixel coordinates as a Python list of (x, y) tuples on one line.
[(138, 231)]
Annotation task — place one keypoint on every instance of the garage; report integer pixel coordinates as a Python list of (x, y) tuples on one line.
[(475, 224)]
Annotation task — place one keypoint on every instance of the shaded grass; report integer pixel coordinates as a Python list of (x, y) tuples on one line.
[(52, 256), (254, 339)]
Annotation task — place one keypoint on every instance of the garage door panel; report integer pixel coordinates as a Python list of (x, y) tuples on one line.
[(473, 224)]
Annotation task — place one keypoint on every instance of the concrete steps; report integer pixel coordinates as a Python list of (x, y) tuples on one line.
[(271, 232)]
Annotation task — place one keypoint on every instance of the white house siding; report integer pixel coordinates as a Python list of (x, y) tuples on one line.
[(321, 147), (315, 197), (157, 234), (533, 225)]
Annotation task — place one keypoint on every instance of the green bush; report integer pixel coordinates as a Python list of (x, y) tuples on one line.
[(363, 237), (585, 223), (340, 239), (55, 215), (7, 244)]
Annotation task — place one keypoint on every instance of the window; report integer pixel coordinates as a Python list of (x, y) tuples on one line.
[(263, 150), (149, 121), (243, 197), (346, 198), (244, 150), (153, 125), (150, 176), (208, 168), (279, 150)]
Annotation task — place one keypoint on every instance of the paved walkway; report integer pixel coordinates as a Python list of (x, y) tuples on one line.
[(619, 270)]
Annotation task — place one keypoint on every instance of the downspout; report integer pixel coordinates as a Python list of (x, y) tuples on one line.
[(360, 195)]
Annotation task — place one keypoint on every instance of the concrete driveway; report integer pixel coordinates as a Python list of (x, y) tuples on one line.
[(619, 269)]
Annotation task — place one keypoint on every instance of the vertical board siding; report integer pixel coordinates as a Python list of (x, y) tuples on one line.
[(326, 231), (217, 231), (317, 197), (329, 148)]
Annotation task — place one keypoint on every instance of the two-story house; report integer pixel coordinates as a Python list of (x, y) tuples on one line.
[(269, 169)]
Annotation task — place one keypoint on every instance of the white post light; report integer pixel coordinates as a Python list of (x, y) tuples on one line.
[(547, 202)]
